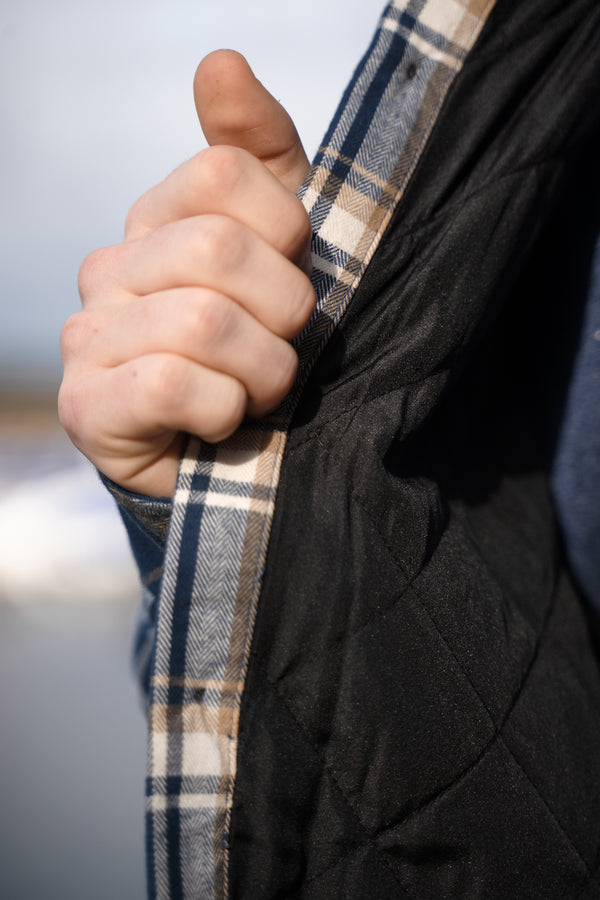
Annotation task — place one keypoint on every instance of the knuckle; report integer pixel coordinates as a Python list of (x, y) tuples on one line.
[(229, 410), (136, 220), (221, 243), (278, 381), (165, 381), (301, 306), (171, 395), (303, 227), (95, 270), (288, 372), (70, 336), (283, 377), (133, 217), (208, 320), (218, 169), (77, 331), (70, 408), (299, 230)]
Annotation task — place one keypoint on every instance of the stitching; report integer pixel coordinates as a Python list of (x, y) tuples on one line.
[(334, 865), (569, 14), (421, 225), (380, 858), (376, 613), (552, 814), (275, 687), (414, 230), (410, 584), (497, 727), (319, 429), (510, 708), (425, 222), (356, 407)]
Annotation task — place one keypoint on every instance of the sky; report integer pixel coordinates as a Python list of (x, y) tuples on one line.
[(96, 106)]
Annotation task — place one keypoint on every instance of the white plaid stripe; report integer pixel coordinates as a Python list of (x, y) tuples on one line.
[(225, 496)]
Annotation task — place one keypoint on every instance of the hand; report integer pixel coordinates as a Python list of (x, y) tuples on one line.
[(185, 326)]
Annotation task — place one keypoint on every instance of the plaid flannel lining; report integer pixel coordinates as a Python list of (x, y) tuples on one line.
[(225, 496)]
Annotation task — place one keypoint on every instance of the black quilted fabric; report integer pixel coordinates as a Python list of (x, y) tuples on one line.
[(422, 710)]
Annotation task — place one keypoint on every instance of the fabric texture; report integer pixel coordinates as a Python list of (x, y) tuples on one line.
[(412, 707), (224, 499), (421, 715)]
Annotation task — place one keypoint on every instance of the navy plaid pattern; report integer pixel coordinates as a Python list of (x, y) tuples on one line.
[(225, 496)]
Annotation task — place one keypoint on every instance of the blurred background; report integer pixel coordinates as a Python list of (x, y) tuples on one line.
[(96, 106)]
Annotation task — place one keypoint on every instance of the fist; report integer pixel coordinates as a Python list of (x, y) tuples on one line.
[(185, 326)]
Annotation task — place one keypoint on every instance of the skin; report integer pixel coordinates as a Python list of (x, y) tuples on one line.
[(185, 326)]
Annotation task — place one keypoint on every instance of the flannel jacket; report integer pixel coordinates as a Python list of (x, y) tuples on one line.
[(369, 673)]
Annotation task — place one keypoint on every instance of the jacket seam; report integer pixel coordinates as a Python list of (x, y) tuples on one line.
[(427, 221), (356, 407), (499, 728), (276, 687)]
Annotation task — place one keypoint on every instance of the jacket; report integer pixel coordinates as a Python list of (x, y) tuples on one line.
[(371, 670)]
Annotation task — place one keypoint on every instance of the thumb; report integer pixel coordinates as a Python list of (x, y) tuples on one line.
[(234, 108)]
